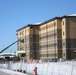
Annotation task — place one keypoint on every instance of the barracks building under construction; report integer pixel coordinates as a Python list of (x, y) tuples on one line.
[(51, 39)]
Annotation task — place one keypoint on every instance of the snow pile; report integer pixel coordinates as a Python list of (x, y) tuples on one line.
[(12, 72)]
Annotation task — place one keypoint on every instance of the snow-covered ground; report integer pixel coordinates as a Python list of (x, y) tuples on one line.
[(49, 68), (11, 72)]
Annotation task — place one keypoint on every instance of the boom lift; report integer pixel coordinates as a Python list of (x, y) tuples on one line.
[(21, 40), (8, 58)]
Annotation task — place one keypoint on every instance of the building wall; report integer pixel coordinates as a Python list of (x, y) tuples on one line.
[(30, 34), (43, 42), (34, 42), (59, 38), (50, 35), (68, 37)]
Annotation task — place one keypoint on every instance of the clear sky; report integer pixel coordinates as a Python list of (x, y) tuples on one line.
[(15, 14)]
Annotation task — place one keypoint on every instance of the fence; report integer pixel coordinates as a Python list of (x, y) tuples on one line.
[(49, 68)]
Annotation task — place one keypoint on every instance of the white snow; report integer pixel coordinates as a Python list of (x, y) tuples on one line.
[(37, 23), (71, 15), (11, 72)]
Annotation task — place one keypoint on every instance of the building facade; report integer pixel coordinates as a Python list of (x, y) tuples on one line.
[(30, 35), (49, 40), (68, 37)]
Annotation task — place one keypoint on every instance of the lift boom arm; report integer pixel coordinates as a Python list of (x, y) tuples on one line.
[(8, 46), (21, 40)]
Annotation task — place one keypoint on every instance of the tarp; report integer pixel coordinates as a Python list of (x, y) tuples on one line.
[(19, 52)]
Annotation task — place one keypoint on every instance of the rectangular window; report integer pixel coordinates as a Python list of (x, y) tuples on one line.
[(63, 44), (22, 33), (64, 54), (55, 44), (55, 34), (63, 22), (31, 27), (54, 23), (63, 33)]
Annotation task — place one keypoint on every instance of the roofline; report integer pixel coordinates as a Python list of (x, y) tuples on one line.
[(68, 16), (50, 20), (46, 21), (26, 26), (57, 18), (39, 24)]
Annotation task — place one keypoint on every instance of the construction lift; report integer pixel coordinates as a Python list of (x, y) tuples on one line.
[(21, 40)]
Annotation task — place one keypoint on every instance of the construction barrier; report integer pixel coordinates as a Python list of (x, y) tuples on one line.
[(46, 68)]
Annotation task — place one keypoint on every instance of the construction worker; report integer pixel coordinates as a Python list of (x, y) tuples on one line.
[(35, 71)]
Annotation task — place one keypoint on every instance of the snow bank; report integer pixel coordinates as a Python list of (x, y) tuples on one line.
[(12, 72)]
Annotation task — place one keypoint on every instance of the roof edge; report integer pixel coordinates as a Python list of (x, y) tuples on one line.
[(26, 26), (65, 16)]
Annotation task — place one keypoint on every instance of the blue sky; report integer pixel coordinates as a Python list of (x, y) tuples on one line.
[(15, 14)]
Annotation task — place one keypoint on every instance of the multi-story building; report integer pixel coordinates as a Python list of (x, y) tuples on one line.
[(30, 34), (52, 39)]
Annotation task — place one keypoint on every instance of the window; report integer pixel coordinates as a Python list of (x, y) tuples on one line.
[(22, 33), (63, 44), (27, 47), (63, 33), (43, 28), (22, 55), (31, 27), (46, 27), (54, 34), (49, 26), (55, 44), (31, 36), (64, 54), (54, 23), (63, 22), (21, 48)]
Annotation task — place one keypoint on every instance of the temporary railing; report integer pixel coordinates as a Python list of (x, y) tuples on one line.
[(49, 68)]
